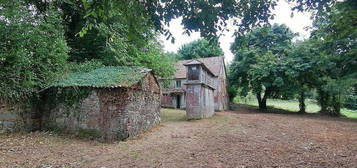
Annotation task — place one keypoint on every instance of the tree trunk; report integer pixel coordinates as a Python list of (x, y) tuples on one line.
[(302, 105), (323, 101), (262, 101), (336, 106)]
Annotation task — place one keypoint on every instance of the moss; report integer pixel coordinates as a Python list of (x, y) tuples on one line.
[(103, 77), (71, 97)]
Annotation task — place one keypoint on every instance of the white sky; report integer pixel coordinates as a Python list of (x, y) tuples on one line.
[(282, 16)]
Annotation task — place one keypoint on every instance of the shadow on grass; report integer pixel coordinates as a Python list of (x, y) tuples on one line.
[(249, 109)]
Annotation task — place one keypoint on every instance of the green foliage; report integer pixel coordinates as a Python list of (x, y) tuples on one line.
[(351, 98), (209, 17), (103, 77), (69, 96), (121, 36), (259, 61), (335, 33), (173, 55), (199, 49), (86, 66), (153, 58), (33, 50)]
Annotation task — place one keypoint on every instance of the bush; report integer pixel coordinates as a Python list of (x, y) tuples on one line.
[(351, 99), (33, 50)]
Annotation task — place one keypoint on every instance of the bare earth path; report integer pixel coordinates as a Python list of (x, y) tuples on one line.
[(244, 138)]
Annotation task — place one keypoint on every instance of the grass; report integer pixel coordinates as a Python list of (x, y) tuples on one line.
[(293, 105), (172, 115)]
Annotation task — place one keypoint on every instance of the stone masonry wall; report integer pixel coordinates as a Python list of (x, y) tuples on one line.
[(109, 114), (13, 119)]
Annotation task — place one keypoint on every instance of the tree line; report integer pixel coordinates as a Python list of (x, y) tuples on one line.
[(269, 64)]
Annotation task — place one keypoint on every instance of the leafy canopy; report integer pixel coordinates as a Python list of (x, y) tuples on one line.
[(199, 49), (335, 33), (209, 17), (258, 65), (33, 50), (125, 37)]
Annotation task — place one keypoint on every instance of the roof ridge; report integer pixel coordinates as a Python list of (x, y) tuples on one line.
[(212, 63)]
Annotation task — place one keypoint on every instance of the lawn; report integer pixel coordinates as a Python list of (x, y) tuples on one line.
[(293, 105), (172, 115)]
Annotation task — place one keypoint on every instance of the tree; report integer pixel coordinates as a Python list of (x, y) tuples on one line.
[(126, 38), (33, 50), (199, 49), (209, 17), (259, 60), (336, 33), (304, 69)]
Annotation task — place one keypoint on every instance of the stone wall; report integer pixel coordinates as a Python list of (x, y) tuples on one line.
[(13, 118), (109, 114)]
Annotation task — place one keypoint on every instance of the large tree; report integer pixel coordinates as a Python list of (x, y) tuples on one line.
[(125, 38), (258, 65), (199, 49), (33, 50), (304, 69), (209, 17), (336, 34)]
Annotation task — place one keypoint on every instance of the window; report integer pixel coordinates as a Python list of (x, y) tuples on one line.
[(193, 73), (178, 84)]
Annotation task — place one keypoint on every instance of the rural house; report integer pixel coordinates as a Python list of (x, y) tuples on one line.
[(199, 91), (109, 103), (174, 91)]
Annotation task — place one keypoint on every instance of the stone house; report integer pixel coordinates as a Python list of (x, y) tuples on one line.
[(110, 103), (174, 90)]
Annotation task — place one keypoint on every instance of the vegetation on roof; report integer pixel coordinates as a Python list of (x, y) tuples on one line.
[(120, 76)]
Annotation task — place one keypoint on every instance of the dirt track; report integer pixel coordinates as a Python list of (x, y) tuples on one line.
[(244, 138)]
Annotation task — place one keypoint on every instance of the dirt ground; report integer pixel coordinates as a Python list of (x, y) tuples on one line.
[(240, 138)]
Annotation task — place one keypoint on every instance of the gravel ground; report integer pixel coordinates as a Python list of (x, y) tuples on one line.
[(239, 138)]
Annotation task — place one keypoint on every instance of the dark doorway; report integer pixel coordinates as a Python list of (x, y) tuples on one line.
[(178, 101)]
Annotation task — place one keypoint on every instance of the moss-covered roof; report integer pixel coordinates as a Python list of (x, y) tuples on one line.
[(106, 77)]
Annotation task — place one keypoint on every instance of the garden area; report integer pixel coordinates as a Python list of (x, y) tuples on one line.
[(244, 137), (293, 106)]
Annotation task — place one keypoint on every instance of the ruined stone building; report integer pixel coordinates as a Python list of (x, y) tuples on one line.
[(109, 103), (174, 90)]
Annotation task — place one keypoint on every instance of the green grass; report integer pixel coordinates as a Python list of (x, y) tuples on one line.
[(172, 115), (293, 105)]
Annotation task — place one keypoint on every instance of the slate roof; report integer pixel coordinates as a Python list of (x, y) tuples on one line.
[(106, 77), (212, 63)]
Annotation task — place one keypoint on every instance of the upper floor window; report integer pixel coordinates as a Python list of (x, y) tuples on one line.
[(193, 73), (178, 84)]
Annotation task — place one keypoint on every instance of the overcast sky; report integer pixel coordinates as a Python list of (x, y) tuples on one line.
[(282, 16)]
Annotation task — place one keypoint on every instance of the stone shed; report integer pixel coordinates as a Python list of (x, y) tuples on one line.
[(110, 103)]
